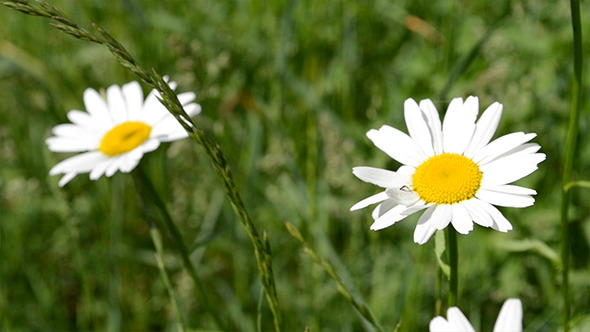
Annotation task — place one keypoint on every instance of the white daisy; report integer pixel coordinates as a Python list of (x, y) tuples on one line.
[(452, 171), (509, 319), (113, 134)]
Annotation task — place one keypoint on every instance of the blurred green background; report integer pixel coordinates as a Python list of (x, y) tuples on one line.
[(289, 89)]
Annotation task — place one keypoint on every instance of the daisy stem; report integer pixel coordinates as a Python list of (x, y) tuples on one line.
[(453, 262), (146, 190), (572, 136)]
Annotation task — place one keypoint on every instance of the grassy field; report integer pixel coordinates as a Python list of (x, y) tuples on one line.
[(289, 90)]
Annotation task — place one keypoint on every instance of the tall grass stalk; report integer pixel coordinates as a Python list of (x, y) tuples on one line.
[(360, 307), (574, 124), (171, 102)]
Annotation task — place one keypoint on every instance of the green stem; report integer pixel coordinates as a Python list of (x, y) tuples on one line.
[(574, 124), (453, 262), (147, 191), (157, 241)]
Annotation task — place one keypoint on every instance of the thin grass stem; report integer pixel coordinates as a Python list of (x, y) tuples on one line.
[(159, 254), (147, 191), (574, 124), (360, 307)]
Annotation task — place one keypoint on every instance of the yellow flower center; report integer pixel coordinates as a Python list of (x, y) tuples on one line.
[(124, 138), (447, 178)]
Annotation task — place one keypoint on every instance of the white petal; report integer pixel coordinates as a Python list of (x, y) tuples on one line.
[(73, 131), (425, 228), (117, 105), (133, 100), (168, 130), (186, 97), (153, 111), (381, 177), (507, 170), (84, 120), (99, 169), (389, 218), (461, 221), (500, 222), (397, 145), (442, 215), (81, 163), (192, 109), (510, 317), (113, 166), (128, 162), (382, 208), (59, 144), (369, 201), (66, 178), (512, 189), (519, 154), (417, 127), (501, 145), (484, 129), (147, 146), (505, 199), (434, 125), (458, 320), (478, 214), (97, 108), (403, 196), (459, 124)]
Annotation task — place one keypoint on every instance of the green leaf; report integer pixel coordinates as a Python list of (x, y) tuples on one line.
[(439, 249)]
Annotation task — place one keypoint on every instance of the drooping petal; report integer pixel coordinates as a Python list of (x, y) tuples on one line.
[(425, 227), (66, 178), (461, 220), (484, 129), (500, 222), (455, 322), (478, 214), (510, 317), (442, 215), (389, 218), (370, 201), (397, 145), (380, 177), (433, 120), (417, 127), (382, 208)]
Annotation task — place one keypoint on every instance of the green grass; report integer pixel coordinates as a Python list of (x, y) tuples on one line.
[(288, 89)]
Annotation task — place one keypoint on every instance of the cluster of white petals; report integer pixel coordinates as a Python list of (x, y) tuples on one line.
[(501, 162)]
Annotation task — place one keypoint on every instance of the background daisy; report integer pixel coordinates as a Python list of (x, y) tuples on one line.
[(113, 134)]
